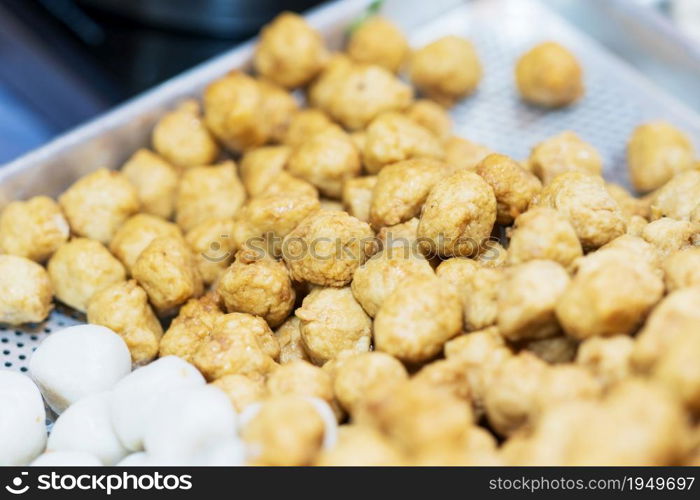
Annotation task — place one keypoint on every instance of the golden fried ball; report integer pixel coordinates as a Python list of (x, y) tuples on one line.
[(181, 137), (670, 235), (291, 344), (232, 108), (207, 192), (213, 247), (583, 199), (239, 343), (286, 431), (527, 298), (393, 137), (513, 186), (682, 269), (464, 154), (431, 116), (301, 378), (446, 374), (564, 152), (97, 204), (26, 291), (81, 267), (190, 327), (360, 445), (327, 247), (357, 196), (33, 229), (458, 215), (403, 236), (638, 247), (304, 124), (415, 321), (365, 374), (332, 322), (446, 70), (136, 234), (261, 166), (241, 390), (630, 205), (261, 287), (655, 153), (124, 308), (612, 293), (322, 90), (608, 358), (401, 190), (155, 181), (549, 75), (678, 197), (543, 233), (378, 41), (377, 278), (166, 269), (290, 52), (492, 254), (276, 109), (286, 184), (327, 159)]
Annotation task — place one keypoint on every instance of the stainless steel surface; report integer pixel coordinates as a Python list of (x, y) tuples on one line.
[(617, 99)]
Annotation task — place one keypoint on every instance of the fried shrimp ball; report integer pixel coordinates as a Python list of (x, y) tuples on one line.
[(166, 269), (377, 278), (612, 293), (549, 75), (261, 287), (305, 123), (124, 308), (609, 359), (458, 215), (241, 390), (360, 445), (322, 90), (446, 70), (655, 153), (513, 186), (378, 41), (265, 220), (327, 247), (637, 246), (326, 160), (33, 229), (181, 137), (97, 204), (332, 322), (527, 298), (301, 378), (403, 236), (401, 190), (670, 235), (682, 269), (26, 291), (431, 116), (291, 344), (213, 247), (208, 192), (678, 197), (190, 327), (285, 431), (239, 343), (276, 109), (232, 108), (364, 374), (290, 52), (261, 166), (136, 234), (583, 199), (81, 267), (155, 181), (447, 374), (463, 154), (357, 196), (362, 92), (564, 152), (629, 204), (393, 137), (415, 321), (543, 233)]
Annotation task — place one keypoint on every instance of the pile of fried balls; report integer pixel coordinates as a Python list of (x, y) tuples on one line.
[(346, 282)]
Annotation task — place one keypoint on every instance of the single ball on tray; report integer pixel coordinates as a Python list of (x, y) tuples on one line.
[(291, 344), (136, 234), (155, 181), (446, 70), (23, 422), (213, 247), (242, 391), (378, 41), (27, 291), (261, 166), (301, 378), (78, 361), (33, 229), (564, 152), (678, 197), (81, 267), (97, 204), (549, 75), (304, 124), (431, 116), (461, 153)]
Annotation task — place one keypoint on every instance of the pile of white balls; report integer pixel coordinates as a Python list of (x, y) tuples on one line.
[(163, 413)]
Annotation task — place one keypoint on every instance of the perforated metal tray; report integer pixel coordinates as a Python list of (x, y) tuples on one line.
[(616, 100)]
